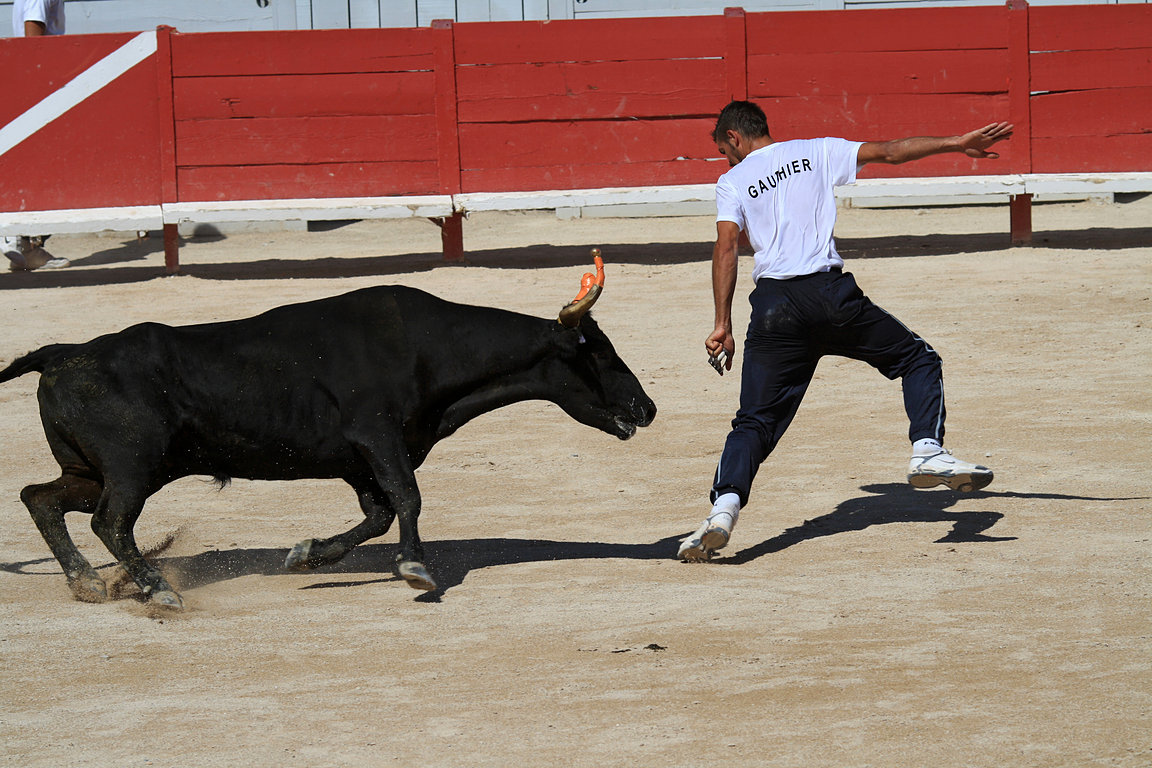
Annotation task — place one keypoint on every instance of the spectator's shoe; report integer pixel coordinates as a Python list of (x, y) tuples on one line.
[(713, 534), (945, 469), (38, 258)]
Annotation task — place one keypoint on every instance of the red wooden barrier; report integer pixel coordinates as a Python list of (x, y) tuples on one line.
[(591, 103), (1092, 88), (103, 151), (881, 75), (523, 106), (300, 114)]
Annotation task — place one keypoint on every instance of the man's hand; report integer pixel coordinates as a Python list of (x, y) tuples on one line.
[(721, 342), (976, 143)]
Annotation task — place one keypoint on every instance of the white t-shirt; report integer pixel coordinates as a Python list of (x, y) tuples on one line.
[(50, 13), (781, 196)]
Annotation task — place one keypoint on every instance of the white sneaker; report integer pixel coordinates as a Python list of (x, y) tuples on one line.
[(713, 534), (56, 262), (945, 469)]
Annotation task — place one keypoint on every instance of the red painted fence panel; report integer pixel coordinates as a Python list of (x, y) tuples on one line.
[(505, 106), (579, 104), (881, 75), (1092, 88), (102, 151), (305, 114)]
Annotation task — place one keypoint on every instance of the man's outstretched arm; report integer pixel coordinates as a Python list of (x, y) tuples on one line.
[(974, 144)]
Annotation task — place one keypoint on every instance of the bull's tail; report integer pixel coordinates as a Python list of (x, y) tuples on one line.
[(34, 361)]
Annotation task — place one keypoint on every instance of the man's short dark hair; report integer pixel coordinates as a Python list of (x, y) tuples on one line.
[(744, 117)]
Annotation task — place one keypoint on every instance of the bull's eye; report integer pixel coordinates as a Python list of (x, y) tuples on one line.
[(582, 339)]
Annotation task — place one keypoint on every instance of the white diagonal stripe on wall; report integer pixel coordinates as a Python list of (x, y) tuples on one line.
[(78, 89)]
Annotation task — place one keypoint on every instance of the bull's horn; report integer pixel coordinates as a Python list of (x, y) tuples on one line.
[(590, 288)]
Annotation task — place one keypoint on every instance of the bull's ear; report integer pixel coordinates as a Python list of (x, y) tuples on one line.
[(590, 288)]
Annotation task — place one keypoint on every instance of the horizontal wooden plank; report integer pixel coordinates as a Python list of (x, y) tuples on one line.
[(1082, 70), (266, 182), (599, 197), (520, 42), (267, 141), (589, 175), (953, 71), (1089, 27), (882, 117), (74, 220), (374, 93), (932, 186), (309, 209), (1100, 112), (1072, 154), (896, 29), (297, 52), (533, 145), (1089, 182), (559, 91)]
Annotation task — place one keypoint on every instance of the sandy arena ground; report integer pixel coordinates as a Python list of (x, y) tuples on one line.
[(854, 622)]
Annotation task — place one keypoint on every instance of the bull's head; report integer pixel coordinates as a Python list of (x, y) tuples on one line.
[(599, 390)]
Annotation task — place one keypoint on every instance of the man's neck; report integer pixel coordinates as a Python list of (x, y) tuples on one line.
[(760, 143)]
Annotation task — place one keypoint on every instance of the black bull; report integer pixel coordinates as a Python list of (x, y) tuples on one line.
[(358, 387)]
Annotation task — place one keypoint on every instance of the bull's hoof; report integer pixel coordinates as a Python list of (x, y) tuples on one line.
[(416, 575), (297, 559), (166, 598), (89, 589)]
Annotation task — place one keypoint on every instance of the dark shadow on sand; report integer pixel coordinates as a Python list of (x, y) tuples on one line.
[(899, 503), (114, 265), (450, 561)]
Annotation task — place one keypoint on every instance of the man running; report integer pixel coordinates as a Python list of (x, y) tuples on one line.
[(804, 306)]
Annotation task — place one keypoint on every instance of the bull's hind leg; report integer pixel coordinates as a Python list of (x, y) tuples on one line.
[(47, 503), (378, 517), (115, 515)]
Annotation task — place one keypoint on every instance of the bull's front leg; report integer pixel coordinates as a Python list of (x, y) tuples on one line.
[(396, 477), (410, 558), (378, 517)]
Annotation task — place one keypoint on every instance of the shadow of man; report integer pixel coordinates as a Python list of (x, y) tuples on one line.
[(897, 503)]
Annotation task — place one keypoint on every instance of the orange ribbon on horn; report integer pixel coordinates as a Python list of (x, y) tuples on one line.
[(590, 279)]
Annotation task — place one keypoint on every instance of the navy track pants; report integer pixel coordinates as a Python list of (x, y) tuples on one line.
[(795, 323)]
